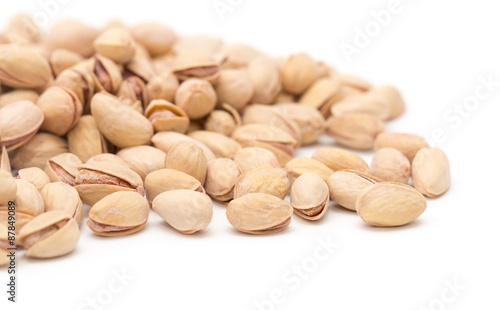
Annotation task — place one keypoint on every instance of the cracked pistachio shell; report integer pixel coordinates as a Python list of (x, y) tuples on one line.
[(266, 80), (346, 185), (222, 175), (250, 158), (273, 139), (234, 87), (38, 150), (108, 158), (259, 214), (120, 124), (300, 165), (164, 180), (143, 159), (62, 59), (85, 140), (221, 146), (431, 172), (194, 64), (4, 160), (268, 180), (186, 211), (140, 66), (22, 29), (408, 144), (116, 44), (298, 73), (339, 159), (8, 188), (106, 74), (119, 214), (238, 56), (309, 196), (80, 81), (357, 131), (74, 36), (155, 37), (310, 121), (28, 198), (52, 234), (196, 97), (390, 165), (18, 95), (322, 94), (165, 139), (133, 89), (19, 122), (96, 180), (63, 168), (35, 176), (61, 108), (60, 196), (23, 68), (163, 86), (166, 116), (223, 121), (390, 204), (185, 156)]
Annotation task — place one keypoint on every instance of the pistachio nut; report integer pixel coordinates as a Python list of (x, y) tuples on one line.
[(222, 175), (143, 159), (194, 64), (35, 176), (19, 122), (62, 59), (18, 95), (165, 139), (266, 80), (163, 86), (390, 204), (156, 38), (164, 180), (346, 185), (390, 165), (165, 64), (310, 121), (22, 218), (431, 172), (28, 198), (119, 214), (322, 94), (309, 196), (355, 82), (116, 44), (199, 43), (61, 109), (85, 140), (80, 81), (120, 124), (391, 97), (185, 156), (250, 158), (51, 234), (234, 87), (23, 68), (4, 160), (196, 97), (339, 159), (134, 89), (38, 150), (357, 131), (238, 56), (22, 29), (74, 36), (362, 103), (140, 66), (300, 165), (408, 144), (166, 116), (284, 97), (106, 74), (108, 158), (259, 213), (63, 168), (60, 196), (222, 122), (298, 73), (220, 145), (8, 188), (186, 211), (269, 180)]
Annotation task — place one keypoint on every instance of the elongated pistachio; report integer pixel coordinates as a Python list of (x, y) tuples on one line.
[(357, 131), (62, 197), (116, 44), (222, 175), (185, 156), (431, 172), (35, 176), (38, 150), (220, 145), (63, 168), (62, 110), (408, 144), (346, 185), (300, 165), (85, 140), (269, 180), (339, 159), (163, 180), (19, 122), (143, 159)]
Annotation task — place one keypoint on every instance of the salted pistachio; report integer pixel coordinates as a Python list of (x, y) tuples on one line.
[(346, 185), (19, 122), (339, 159), (134, 89), (52, 234), (266, 80), (38, 150), (298, 73), (390, 165), (96, 180), (8, 188), (186, 211), (196, 97), (163, 86), (264, 136), (220, 145), (4, 160), (355, 82), (222, 175), (60, 196), (61, 109), (35, 176), (28, 198), (309, 120), (236, 56), (300, 165), (431, 172), (74, 36), (119, 214), (143, 159), (165, 139), (120, 124), (106, 74), (234, 87), (223, 121), (208, 45), (108, 158), (23, 68), (194, 64), (85, 140), (165, 116), (156, 38), (390, 204), (62, 59), (357, 131), (309, 196), (259, 214), (18, 95), (163, 180), (322, 94), (187, 157), (249, 158), (116, 44), (22, 29), (406, 143), (63, 168), (79, 80), (269, 180)]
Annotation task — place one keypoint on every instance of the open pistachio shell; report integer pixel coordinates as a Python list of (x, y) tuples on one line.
[(62, 197), (166, 116), (309, 196), (19, 122), (164, 180), (63, 168)]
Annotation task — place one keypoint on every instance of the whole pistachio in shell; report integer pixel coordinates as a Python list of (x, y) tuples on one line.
[(186, 211), (322, 94), (238, 56), (108, 158), (21, 67), (63, 168), (62, 59), (74, 36), (60, 196), (17, 95), (8, 188), (35, 176), (259, 214), (193, 64), (362, 103), (116, 44), (234, 87), (223, 121), (340, 159), (185, 156), (196, 97), (163, 86), (156, 38), (390, 165), (298, 73), (38, 150), (431, 172), (268, 180), (300, 165), (357, 131), (28, 198), (22, 29), (163, 180), (106, 74), (265, 78), (309, 196), (309, 120), (346, 185), (408, 144), (222, 175), (85, 140), (250, 158), (221, 145), (165, 139), (52, 234), (134, 89), (143, 159), (80, 81), (166, 116), (19, 122), (62, 110)]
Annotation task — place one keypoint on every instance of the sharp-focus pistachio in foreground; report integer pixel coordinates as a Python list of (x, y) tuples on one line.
[(222, 175), (268, 180), (390, 165), (339, 159), (163, 180), (346, 185), (431, 172), (309, 196)]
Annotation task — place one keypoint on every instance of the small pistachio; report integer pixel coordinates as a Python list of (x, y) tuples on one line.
[(269, 180), (234, 87), (300, 165), (194, 64), (309, 120), (85, 140), (61, 109), (265, 77), (23, 68), (74, 36), (60, 196), (18, 95), (298, 73), (185, 156), (357, 131), (63, 168), (250, 158), (309, 196), (116, 44), (322, 95), (8, 188), (238, 56), (221, 145), (339, 159), (222, 175), (163, 180), (143, 159), (134, 89), (166, 116), (165, 139), (408, 144), (80, 81), (196, 97), (346, 185), (62, 59), (28, 198), (106, 74), (431, 172), (163, 86), (38, 150), (221, 122), (156, 38), (19, 122), (390, 165), (35, 176)]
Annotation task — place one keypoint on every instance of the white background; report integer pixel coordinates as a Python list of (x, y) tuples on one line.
[(435, 52)]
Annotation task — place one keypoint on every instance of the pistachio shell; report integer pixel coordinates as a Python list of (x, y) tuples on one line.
[(28, 198), (346, 185), (250, 158), (204, 44), (166, 116), (164, 141), (300, 165), (431, 172), (72, 35), (221, 122), (238, 56), (23, 217), (265, 78), (79, 80), (63, 168), (222, 175), (62, 59), (85, 140), (234, 87), (106, 74), (362, 103), (62, 197), (309, 196), (35, 176), (143, 159), (355, 82), (357, 131), (390, 165), (308, 119), (23, 68), (8, 188), (163, 180), (194, 64), (163, 86), (155, 37), (108, 158), (38, 150), (322, 94), (185, 156), (298, 73), (19, 122), (116, 44), (133, 89), (339, 159), (220, 145), (268, 180), (4, 160), (18, 95), (408, 144), (196, 97)]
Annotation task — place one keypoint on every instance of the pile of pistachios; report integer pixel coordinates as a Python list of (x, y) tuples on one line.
[(126, 118)]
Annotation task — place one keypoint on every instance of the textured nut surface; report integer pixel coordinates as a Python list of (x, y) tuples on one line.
[(265, 78), (185, 156), (250, 158), (322, 94), (431, 172), (61, 109), (339, 159), (268, 180), (234, 87), (390, 165), (166, 116), (300, 165), (408, 144), (196, 97), (164, 180), (357, 131), (222, 175), (298, 73), (346, 185), (309, 120), (143, 159), (164, 141), (19, 122), (116, 44), (309, 196), (62, 197)]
